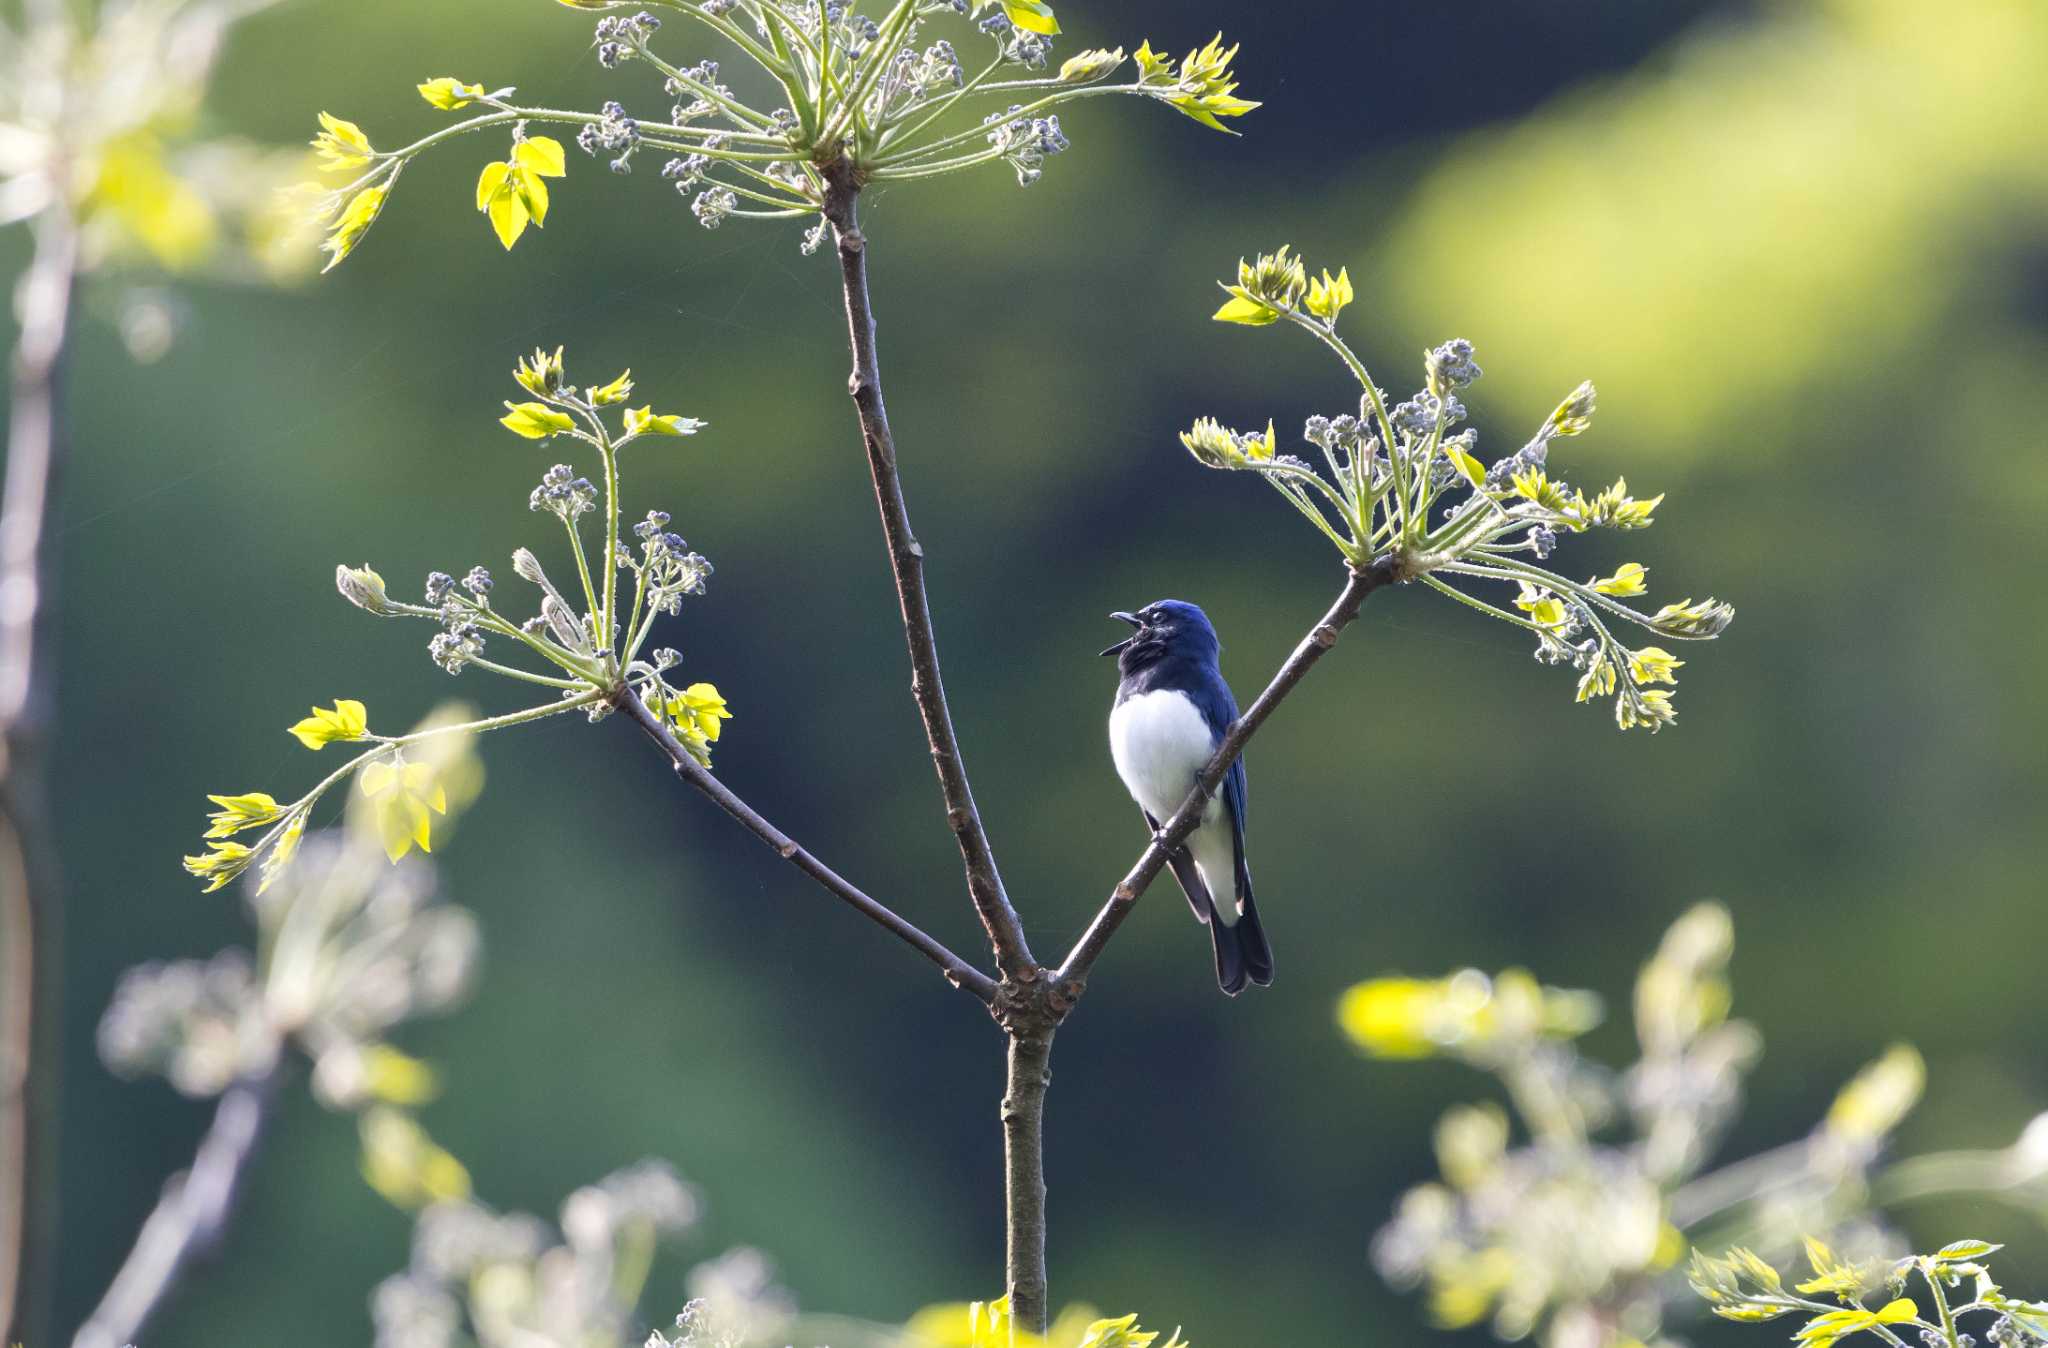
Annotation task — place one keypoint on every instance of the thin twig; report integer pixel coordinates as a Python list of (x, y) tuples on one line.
[(188, 1220), (906, 563), (28, 898), (1072, 974), (957, 971)]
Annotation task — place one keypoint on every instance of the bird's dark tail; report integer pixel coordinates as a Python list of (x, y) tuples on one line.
[(1242, 955), (1251, 936)]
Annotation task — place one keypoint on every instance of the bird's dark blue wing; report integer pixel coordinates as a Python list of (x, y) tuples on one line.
[(1254, 955), (1234, 801), (1212, 698)]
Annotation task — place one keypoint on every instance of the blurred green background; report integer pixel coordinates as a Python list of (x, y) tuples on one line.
[(1800, 247)]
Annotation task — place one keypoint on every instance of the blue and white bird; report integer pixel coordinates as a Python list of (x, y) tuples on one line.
[(1172, 709)]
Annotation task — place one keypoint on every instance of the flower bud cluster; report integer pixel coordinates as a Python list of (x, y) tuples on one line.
[(691, 85), (1025, 142), (562, 494), (620, 37), (913, 78), (686, 173), (713, 205), (1026, 49), (617, 135), (1419, 415), (670, 568), (1388, 467)]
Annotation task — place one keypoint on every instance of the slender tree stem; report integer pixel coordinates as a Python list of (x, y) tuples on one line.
[(957, 971), (906, 562), (188, 1220), (1029, 1074), (29, 900), (1072, 974)]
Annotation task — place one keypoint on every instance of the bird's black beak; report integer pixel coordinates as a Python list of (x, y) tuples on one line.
[(1131, 618)]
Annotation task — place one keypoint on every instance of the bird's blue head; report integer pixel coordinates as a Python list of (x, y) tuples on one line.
[(1167, 629)]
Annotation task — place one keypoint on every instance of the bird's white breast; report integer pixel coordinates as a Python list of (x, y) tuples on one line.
[(1160, 742)]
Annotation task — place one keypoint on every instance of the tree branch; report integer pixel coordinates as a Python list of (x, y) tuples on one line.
[(1028, 1073), (1072, 975), (906, 563), (957, 971), (189, 1219), (28, 894)]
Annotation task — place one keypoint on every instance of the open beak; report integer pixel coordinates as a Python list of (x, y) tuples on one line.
[(1134, 621)]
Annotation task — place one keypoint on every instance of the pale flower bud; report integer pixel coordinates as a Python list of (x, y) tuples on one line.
[(362, 587)]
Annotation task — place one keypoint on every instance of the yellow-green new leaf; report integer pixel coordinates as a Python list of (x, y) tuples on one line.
[(346, 720), (535, 421), (1328, 295), (1246, 310), (1123, 1332), (221, 863), (542, 373), (615, 392), (1153, 68), (645, 421), (397, 1078), (353, 221), (1575, 413), (405, 1165), (1205, 86), (341, 145), (703, 706), (1628, 580), (239, 812), (1654, 664), (1468, 467), (512, 193), (1392, 1017), (1541, 605), (490, 183), (1756, 1268), (407, 796), (496, 197), (1833, 1277), (542, 155), (1033, 16), (1953, 1252), (448, 93), (286, 846), (1089, 66)]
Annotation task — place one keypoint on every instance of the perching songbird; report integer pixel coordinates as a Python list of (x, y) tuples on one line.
[(1172, 709)]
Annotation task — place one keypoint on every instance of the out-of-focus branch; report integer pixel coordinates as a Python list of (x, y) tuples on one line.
[(188, 1220), (957, 971), (906, 564), (1072, 974), (28, 900)]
